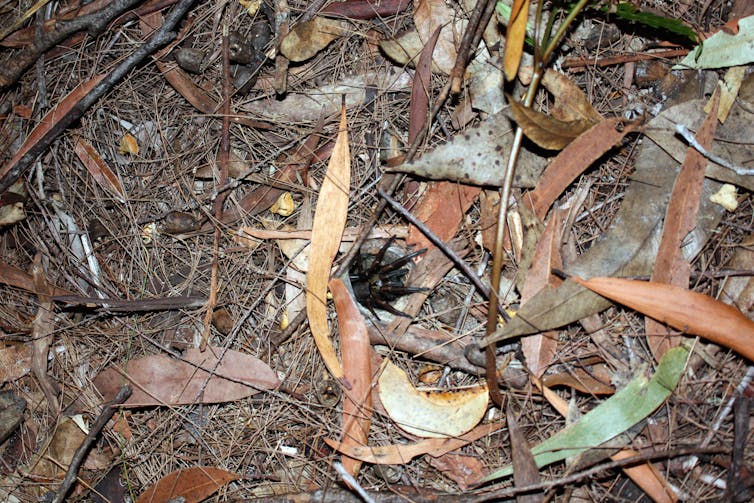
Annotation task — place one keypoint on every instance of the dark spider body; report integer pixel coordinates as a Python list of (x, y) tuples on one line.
[(376, 283)]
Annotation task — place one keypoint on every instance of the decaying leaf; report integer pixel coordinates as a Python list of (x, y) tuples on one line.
[(477, 157), (306, 39), (161, 380), (570, 101), (15, 361), (327, 231), (546, 131), (690, 312), (191, 485), (98, 168), (430, 414)]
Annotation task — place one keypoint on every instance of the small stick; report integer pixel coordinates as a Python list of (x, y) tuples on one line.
[(689, 137), (94, 431)]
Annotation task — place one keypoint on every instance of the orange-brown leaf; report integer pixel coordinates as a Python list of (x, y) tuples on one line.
[(580, 380), (327, 231), (680, 219), (355, 348), (570, 101), (546, 131), (573, 161), (690, 312), (442, 208), (98, 168), (51, 118), (398, 454), (192, 484), (514, 38)]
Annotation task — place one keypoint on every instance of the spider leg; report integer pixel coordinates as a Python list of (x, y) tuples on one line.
[(376, 264), (400, 262), (390, 309)]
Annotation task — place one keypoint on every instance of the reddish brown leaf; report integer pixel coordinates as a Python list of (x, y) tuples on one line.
[(539, 349), (574, 160), (99, 169), (192, 484), (50, 119), (546, 131), (198, 97), (680, 219), (463, 470), (690, 312), (12, 276), (420, 89), (355, 349), (514, 38), (441, 208), (327, 231), (161, 380), (365, 9)]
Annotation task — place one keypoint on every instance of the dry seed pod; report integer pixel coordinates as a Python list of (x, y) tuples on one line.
[(179, 222)]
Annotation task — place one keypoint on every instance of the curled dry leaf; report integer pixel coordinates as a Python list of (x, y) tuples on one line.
[(191, 485), (547, 132), (306, 39), (430, 414), (327, 231)]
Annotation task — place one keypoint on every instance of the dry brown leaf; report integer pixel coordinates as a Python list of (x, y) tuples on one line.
[(50, 119), (420, 89), (461, 469), (399, 454), (525, 471), (573, 161), (514, 38), (15, 277), (327, 231), (539, 349), (570, 101), (430, 414), (192, 485), (161, 380), (547, 132), (15, 361), (306, 39), (580, 380), (98, 168), (690, 312), (355, 348), (428, 15), (671, 266), (441, 208), (365, 9)]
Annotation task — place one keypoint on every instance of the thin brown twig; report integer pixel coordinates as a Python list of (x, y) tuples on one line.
[(83, 449), (224, 156)]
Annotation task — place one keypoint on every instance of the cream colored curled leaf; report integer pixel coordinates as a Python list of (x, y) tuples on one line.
[(430, 414)]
